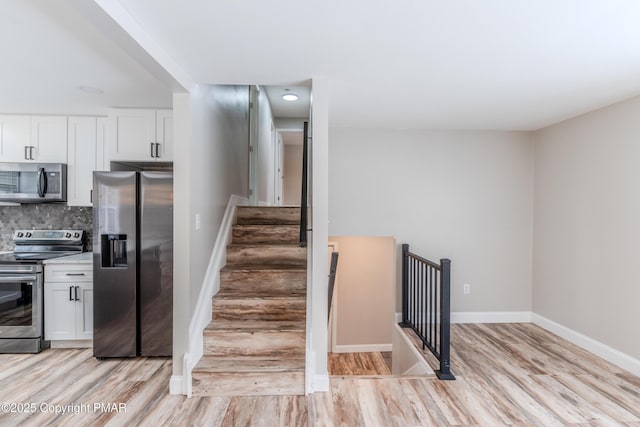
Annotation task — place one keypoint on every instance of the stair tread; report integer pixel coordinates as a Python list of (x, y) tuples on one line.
[(262, 245), (228, 294), (243, 299), (262, 267), (249, 364), (255, 326)]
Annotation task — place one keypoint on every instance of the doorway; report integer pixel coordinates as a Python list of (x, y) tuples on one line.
[(290, 168)]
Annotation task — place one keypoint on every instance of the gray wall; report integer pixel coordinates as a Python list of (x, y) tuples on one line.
[(587, 225), (44, 216), (211, 136), (464, 195)]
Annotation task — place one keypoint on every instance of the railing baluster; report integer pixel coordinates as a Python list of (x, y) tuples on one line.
[(422, 305), (304, 198), (434, 311)]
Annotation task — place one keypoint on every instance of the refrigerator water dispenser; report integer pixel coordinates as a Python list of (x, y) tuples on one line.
[(114, 250)]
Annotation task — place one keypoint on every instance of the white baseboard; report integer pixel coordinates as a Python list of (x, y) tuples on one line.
[(362, 348), (417, 368), (602, 350), (176, 384), (485, 317), (320, 383), (491, 317)]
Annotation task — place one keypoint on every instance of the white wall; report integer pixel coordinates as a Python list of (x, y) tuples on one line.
[(266, 151), (210, 164), (463, 195), (587, 225)]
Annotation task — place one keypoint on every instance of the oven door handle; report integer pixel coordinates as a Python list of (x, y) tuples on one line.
[(21, 279)]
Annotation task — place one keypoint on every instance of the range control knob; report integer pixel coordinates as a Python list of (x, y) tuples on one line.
[(67, 234), (76, 235), (19, 234), (28, 234)]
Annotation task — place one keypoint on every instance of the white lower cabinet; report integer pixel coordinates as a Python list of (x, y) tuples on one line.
[(68, 302)]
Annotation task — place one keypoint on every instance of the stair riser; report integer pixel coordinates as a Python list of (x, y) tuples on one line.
[(263, 283), (266, 234), (267, 255), (248, 215), (248, 384), (258, 309), (263, 344)]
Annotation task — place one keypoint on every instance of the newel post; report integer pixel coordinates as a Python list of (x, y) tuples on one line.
[(445, 321), (405, 285)]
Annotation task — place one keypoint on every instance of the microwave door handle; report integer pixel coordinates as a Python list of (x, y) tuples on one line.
[(42, 182)]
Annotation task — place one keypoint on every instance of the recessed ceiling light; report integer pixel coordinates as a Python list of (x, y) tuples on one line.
[(90, 89), (290, 97)]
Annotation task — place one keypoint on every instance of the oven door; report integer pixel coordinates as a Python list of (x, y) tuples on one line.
[(20, 305)]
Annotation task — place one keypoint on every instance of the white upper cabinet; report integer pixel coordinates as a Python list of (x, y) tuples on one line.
[(164, 135), (85, 153), (41, 139), (15, 138), (49, 139), (140, 135)]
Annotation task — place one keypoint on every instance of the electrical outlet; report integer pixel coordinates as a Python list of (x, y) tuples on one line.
[(466, 288)]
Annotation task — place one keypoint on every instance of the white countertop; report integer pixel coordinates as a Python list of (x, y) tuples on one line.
[(83, 258)]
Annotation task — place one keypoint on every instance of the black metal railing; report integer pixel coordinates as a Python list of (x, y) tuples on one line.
[(426, 305), (332, 280), (305, 186)]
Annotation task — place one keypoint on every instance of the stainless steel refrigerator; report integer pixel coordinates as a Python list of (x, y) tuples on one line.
[(132, 264)]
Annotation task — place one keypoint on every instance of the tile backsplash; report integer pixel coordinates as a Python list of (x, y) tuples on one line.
[(45, 216)]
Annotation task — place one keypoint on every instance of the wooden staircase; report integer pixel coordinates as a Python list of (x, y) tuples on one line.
[(255, 344)]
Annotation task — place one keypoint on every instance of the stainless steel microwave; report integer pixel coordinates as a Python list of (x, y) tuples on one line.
[(33, 182)]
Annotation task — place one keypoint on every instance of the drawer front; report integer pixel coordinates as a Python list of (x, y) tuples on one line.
[(68, 273)]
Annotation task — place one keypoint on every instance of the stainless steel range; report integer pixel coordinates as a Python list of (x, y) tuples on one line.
[(21, 281)]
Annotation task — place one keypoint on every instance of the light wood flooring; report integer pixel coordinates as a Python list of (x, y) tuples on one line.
[(359, 364), (515, 374)]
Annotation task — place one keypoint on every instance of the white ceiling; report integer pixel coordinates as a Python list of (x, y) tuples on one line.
[(494, 64), (49, 48)]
